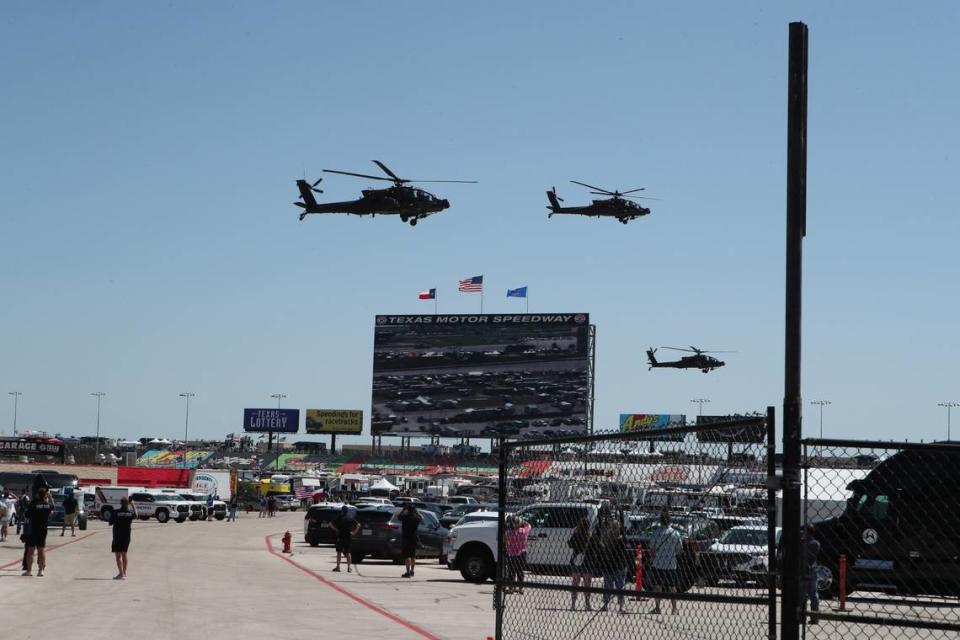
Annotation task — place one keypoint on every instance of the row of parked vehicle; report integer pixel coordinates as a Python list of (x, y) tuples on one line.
[(163, 505), (379, 535)]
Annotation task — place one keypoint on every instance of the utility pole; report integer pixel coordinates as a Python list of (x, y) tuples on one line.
[(96, 455), (16, 397), (821, 404), (792, 399), (948, 405), (186, 426), (701, 402)]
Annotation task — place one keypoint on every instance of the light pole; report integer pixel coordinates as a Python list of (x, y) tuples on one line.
[(96, 455), (186, 426), (948, 405), (821, 404), (279, 397), (701, 402), (16, 397)]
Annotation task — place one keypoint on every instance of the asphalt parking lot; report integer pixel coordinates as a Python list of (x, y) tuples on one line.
[(214, 580)]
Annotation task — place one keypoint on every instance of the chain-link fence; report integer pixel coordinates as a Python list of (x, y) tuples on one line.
[(663, 534), (881, 550)]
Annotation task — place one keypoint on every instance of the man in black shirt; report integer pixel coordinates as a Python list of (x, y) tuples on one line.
[(38, 515), (70, 508), (347, 527), (121, 519), (409, 522)]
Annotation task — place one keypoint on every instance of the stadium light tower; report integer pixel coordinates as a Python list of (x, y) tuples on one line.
[(949, 406), (701, 402), (16, 398), (821, 404), (186, 426), (96, 454)]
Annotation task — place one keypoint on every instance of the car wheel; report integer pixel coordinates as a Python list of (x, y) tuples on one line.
[(828, 580), (476, 566), (162, 516), (106, 513), (356, 558)]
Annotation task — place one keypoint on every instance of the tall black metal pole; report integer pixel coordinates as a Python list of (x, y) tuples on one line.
[(796, 229)]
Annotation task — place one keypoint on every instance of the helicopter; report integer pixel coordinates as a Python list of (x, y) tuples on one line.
[(410, 203), (697, 361), (619, 205)]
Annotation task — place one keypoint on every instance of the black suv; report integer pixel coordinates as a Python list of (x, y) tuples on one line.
[(900, 530), (379, 535), (316, 523)]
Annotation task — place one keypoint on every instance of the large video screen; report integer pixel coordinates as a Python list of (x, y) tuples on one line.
[(518, 375)]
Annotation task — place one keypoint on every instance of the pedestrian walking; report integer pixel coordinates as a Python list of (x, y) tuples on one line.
[(232, 509), (263, 507), (121, 520), (616, 562), (518, 530), (811, 552), (38, 515), (70, 509), (410, 520), (346, 527), (665, 543), (578, 545), (8, 513)]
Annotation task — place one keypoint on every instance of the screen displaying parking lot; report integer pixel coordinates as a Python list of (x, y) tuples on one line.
[(519, 375)]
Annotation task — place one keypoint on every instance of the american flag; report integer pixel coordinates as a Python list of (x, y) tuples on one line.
[(472, 285)]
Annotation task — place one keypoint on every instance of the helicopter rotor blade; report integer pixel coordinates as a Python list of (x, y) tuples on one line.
[(460, 181), (590, 186), (358, 175), (388, 172)]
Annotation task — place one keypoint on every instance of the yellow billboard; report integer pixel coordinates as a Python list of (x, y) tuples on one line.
[(347, 421)]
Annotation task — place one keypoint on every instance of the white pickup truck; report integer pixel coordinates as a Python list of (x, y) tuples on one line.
[(473, 546)]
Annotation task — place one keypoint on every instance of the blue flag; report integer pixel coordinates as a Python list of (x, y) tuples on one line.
[(517, 293)]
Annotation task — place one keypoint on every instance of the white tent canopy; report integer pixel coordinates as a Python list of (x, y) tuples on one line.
[(383, 485)]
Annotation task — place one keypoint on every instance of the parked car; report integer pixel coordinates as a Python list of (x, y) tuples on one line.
[(453, 516), (380, 535), (287, 502), (739, 554), (316, 522), (698, 534)]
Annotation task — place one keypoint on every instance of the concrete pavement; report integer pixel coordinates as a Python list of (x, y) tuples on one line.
[(219, 580)]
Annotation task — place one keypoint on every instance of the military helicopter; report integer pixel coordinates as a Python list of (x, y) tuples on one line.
[(410, 203), (696, 361), (618, 206)]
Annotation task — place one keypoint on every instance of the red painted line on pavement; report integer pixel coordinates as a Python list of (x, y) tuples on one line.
[(59, 546), (369, 605)]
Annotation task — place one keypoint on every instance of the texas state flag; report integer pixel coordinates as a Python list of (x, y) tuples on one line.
[(428, 295)]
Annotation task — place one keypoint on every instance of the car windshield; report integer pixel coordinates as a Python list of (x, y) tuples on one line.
[(752, 537)]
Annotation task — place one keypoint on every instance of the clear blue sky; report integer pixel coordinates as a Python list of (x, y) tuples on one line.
[(150, 246)]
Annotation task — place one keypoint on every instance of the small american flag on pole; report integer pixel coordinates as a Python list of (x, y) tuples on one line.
[(472, 285)]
